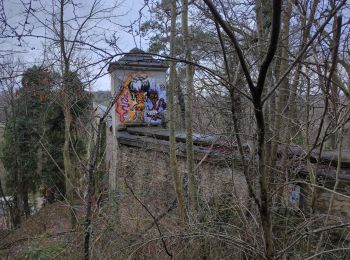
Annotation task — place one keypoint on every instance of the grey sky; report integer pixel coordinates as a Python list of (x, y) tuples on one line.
[(31, 49)]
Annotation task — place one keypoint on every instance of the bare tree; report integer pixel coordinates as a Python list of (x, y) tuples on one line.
[(188, 113), (172, 126)]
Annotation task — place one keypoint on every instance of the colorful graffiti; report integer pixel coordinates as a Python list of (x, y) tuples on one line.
[(141, 99)]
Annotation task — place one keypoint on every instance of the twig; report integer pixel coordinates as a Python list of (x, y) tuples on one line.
[(9, 244), (327, 251), (204, 157), (154, 218), (172, 207)]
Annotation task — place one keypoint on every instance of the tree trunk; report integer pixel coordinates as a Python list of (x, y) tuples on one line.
[(181, 100), (91, 190), (16, 211), (280, 127), (26, 207), (265, 210), (172, 126), (68, 169), (188, 113), (293, 110)]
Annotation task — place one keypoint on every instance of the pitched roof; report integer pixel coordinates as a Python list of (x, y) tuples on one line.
[(137, 59)]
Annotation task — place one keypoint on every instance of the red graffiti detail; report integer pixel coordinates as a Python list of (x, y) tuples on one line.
[(124, 107)]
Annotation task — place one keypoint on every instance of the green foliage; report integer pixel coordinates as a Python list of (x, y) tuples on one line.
[(53, 173), (32, 151), (22, 132), (39, 79), (81, 104), (53, 141), (298, 138), (35, 118), (45, 251), (154, 28), (80, 99), (157, 30)]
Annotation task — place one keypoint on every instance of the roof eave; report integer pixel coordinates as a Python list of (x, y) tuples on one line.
[(136, 66)]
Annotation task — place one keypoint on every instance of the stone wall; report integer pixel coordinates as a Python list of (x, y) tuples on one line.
[(2, 169), (148, 170), (143, 162), (340, 208)]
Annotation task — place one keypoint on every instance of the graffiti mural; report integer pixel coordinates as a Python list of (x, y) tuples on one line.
[(141, 99)]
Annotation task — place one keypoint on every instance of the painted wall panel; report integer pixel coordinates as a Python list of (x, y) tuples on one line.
[(141, 96)]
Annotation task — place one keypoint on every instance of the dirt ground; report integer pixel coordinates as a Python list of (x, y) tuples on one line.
[(45, 235)]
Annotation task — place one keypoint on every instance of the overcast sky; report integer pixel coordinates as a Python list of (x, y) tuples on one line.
[(31, 50)]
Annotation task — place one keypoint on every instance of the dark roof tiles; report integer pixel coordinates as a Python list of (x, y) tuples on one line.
[(137, 58)]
